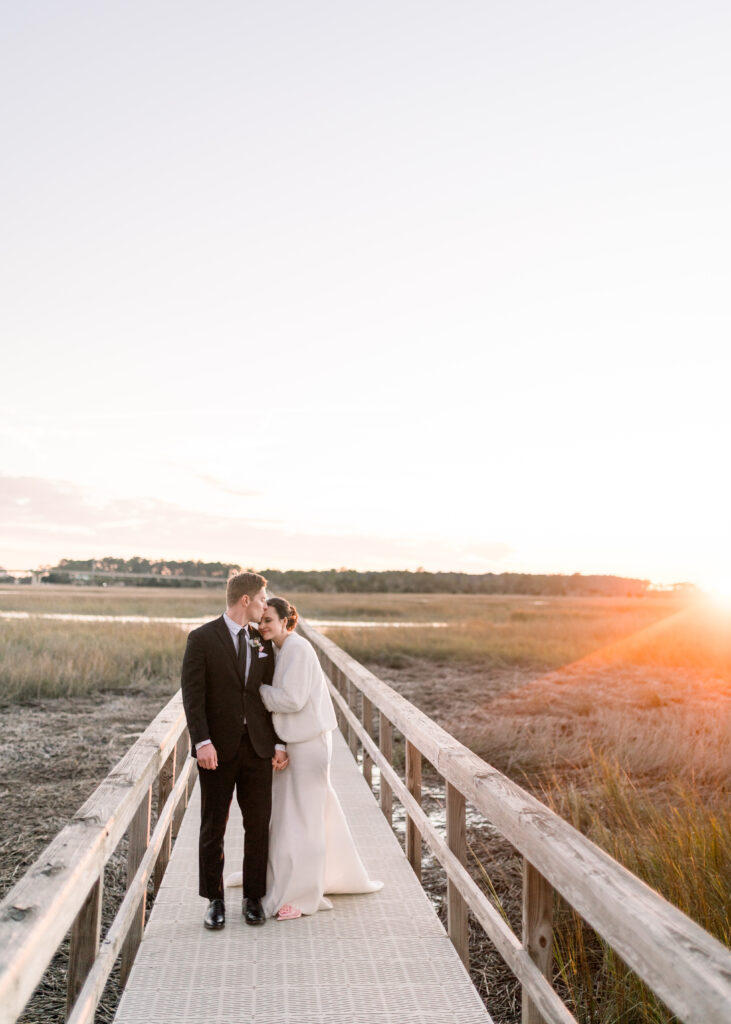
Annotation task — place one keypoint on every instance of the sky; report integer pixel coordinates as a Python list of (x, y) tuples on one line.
[(377, 285)]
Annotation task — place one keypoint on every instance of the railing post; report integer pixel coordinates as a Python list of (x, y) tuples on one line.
[(139, 837), (350, 693), (457, 842), (84, 943), (192, 779), (367, 720), (537, 931), (336, 677), (413, 784), (182, 751), (164, 789), (385, 743)]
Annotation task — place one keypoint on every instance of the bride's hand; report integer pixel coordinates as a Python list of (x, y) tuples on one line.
[(280, 760)]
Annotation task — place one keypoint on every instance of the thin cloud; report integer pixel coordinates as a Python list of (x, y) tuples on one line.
[(222, 486), (53, 519)]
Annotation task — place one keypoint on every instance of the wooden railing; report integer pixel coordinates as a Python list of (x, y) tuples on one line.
[(685, 966), (63, 890)]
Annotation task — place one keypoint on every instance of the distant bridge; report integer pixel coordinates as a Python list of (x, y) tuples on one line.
[(374, 959)]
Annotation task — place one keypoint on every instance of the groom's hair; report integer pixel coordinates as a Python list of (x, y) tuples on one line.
[(243, 583)]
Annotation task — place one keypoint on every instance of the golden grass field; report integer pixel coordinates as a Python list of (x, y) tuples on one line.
[(41, 658), (615, 712)]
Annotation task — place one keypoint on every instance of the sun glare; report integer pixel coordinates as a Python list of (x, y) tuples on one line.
[(720, 592)]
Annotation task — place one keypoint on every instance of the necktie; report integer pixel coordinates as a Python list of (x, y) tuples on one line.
[(243, 643)]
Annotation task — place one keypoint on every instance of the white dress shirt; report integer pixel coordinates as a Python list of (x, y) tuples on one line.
[(235, 630)]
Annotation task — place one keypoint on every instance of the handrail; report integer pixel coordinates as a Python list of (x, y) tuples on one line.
[(62, 890), (91, 992), (684, 965), (500, 933)]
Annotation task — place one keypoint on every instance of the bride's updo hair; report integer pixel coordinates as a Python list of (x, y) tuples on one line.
[(284, 610)]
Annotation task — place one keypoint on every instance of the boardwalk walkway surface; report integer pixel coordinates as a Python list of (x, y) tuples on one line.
[(382, 958)]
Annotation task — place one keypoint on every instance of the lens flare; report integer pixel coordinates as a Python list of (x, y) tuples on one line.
[(719, 591)]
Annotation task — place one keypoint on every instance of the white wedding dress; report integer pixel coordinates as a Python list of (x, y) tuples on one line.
[(311, 848)]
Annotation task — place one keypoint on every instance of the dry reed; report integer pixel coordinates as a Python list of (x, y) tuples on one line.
[(679, 843), (43, 658), (498, 632), (154, 601)]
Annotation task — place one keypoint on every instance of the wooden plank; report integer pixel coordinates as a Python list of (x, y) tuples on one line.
[(368, 726), (139, 838), (687, 968), (41, 908), (497, 930), (350, 693), (457, 842), (430, 738), (413, 784), (537, 932), (89, 996), (192, 779), (164, 789), (182, 754), (337, 677), (352, 970), (84, 943), (385, 743)]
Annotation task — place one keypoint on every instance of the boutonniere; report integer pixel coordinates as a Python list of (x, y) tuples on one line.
[(255, 643)]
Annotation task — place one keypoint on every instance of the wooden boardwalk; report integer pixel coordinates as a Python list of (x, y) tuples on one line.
[(380, 957), (376, 959)]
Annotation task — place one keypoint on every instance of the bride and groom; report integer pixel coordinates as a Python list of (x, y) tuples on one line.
[(260, 720)]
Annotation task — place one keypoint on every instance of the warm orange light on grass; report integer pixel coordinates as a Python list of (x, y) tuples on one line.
[(683, 658)]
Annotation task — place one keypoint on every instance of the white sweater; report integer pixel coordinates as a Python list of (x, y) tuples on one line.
[(298, 697)]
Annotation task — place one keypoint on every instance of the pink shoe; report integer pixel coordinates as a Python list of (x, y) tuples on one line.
[(288, 913)]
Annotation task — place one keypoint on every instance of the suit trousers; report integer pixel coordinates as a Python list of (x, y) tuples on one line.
[(251, 777)]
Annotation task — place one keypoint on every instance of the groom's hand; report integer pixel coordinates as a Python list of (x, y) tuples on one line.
[(207, 756), (280, 760)]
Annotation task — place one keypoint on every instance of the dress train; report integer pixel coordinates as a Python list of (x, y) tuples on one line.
[(311, 848)]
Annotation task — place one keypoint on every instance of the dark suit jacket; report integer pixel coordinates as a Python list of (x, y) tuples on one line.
[(215, 699)]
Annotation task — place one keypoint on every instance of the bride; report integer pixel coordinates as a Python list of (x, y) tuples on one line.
[(311, 849)]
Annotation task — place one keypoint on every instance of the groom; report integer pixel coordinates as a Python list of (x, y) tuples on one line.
[(233, 740)]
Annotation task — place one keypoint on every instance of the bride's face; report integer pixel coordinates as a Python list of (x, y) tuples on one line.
[(271, 626)]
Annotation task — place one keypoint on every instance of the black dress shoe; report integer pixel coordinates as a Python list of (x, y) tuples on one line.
[(215, 915), (253, 911)]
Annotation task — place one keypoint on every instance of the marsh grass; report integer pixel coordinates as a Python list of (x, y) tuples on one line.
[(657, 835), (507, 632), (612, 617), (497, 609), (658, 702), (653, 748), (677, 841), (113, 601), (42, 658)]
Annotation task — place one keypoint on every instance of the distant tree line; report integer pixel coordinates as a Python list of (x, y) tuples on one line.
[(394, 581), (161, 572), (5, 577), (141, 572)]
